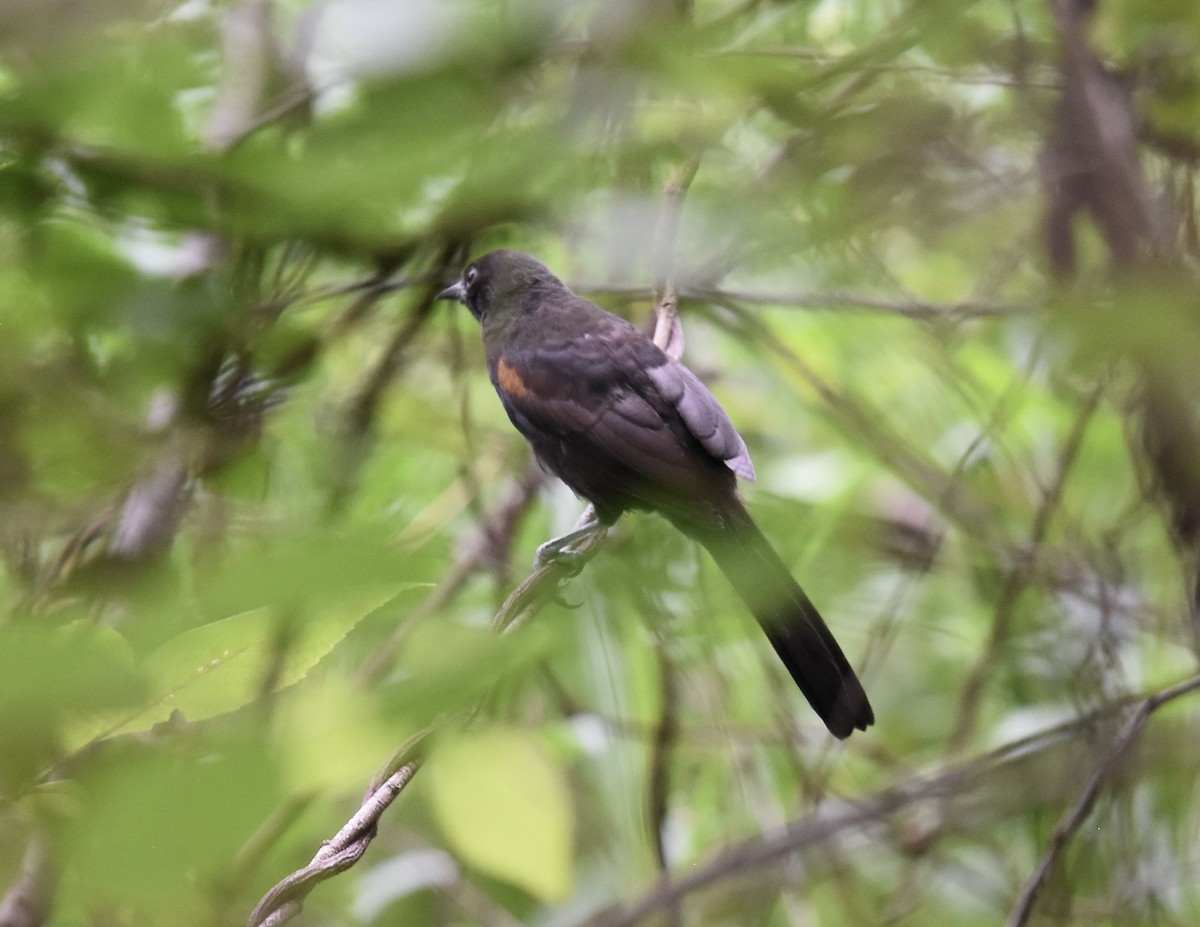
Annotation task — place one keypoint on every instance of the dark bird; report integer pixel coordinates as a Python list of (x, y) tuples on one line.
[(627, 427)]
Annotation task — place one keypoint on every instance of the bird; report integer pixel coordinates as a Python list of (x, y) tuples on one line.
[(627, 427)]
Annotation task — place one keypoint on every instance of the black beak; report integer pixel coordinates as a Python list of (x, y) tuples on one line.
[(457, 291)]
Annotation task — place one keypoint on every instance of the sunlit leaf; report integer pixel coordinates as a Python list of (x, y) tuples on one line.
[(227, 664), (504, 806)]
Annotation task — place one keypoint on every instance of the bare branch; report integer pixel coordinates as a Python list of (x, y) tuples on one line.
[(286, 899), (28, 902), (151, 512), (255, 69), (1090, 162), (1045, 80), (494, 535), (834, 819), (360, 414), (1017, 576), (668, 333), (541, 585), (1070, 823), (339, 853), (663, 739), (827, 300)]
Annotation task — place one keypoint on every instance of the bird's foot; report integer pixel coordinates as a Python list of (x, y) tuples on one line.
[(564, 554), (551, 552), (568, 548)]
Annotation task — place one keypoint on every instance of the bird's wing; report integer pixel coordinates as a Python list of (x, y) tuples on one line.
[(612, 390), (702, 415)]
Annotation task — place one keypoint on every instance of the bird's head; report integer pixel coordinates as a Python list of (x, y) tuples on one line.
[(498, 283)]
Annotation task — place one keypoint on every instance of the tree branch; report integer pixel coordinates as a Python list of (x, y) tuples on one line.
[(911, 308), (28, 902), (1070, 823), (668, 333), (834, 819), (345, 848), (1017, 575)]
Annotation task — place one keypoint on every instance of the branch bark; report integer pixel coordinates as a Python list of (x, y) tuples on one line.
[(1070, 823), (29, 901), (835, 819)]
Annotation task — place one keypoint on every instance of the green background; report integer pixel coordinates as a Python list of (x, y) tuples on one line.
[(259, 504)]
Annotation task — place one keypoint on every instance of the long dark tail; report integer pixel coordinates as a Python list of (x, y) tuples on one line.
[(791, 622)]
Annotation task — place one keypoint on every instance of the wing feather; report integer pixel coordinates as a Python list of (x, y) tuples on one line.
[(613, 393), (703, 416)]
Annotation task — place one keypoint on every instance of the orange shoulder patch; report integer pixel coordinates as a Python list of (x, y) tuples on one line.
[(510, 381)]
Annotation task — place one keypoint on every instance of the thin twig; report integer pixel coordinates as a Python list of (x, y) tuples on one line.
[(832, 819), (286, 898), (28, 902), (1070, 823), (908, 462), (360, 413), (1046, 81), (344, 849), (543, 583), (495, 532), (668, 333), (664, 736), (826, 300), (1017, 576)]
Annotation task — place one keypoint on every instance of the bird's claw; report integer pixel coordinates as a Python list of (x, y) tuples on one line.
[(570, 549), (555, 553), (563, 603)]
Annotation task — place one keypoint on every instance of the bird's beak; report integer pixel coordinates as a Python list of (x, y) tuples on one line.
[(458, 291)]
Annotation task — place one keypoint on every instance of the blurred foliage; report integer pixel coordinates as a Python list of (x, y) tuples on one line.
[(258, 504)]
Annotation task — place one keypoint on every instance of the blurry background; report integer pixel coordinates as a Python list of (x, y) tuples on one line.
[(259, 504)]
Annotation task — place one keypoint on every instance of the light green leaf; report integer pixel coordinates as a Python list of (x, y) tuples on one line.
[(226, 664), (503, 805), (331, 734)]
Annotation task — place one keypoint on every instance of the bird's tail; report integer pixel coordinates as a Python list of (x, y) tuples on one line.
[(791, 622)]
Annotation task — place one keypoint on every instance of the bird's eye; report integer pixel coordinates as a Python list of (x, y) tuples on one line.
[(470, 275)]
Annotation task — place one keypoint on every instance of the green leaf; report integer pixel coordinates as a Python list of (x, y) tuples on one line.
[(57, 678), (152, 830), (332, 734), (504, 806), (226, 664)]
